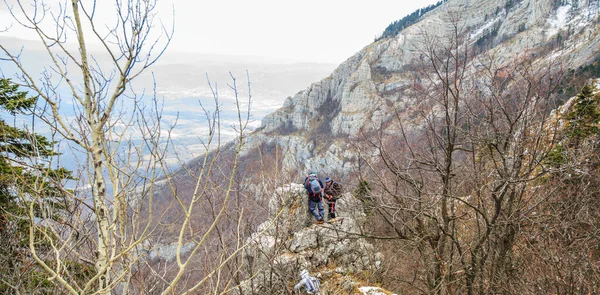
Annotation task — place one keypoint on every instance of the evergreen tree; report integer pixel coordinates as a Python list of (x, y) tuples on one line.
[(24, 179), (395, 27), (583, 120)]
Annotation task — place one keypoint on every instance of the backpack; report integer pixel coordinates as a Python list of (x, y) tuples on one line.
[(315, 187), (336, 187), (312, 285)]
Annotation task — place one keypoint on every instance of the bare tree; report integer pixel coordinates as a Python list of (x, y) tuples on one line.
[(562, 234), (455, 184), (127, 200)]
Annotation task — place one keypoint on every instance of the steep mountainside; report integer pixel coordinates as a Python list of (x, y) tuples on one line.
[(315, 127), (447, 129)]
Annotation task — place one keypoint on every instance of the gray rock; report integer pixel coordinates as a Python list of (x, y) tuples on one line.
[(313, 247), (362, 94)]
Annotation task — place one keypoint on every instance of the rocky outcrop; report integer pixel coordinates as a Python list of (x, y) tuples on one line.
[(361, 95), (334, 252)]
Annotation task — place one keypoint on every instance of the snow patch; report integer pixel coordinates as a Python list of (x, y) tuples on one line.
[(559, 20), (485, 26), (561, 16)]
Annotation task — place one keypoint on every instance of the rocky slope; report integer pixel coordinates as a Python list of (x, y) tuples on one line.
[(316, 129), (335, 252), (314, 126)]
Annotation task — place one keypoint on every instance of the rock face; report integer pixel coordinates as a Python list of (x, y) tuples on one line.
[(316, 126), (289, 242)]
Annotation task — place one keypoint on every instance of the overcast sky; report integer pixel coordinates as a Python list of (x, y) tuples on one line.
[(309, 30)]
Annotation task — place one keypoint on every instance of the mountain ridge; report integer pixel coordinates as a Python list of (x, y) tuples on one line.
[(363, 119), (356, 92)]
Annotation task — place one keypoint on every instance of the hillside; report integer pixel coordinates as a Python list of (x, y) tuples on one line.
[(466, 139), (364, 93), (451, 125)]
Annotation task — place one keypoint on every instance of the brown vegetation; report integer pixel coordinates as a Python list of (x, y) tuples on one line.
[(466, 203)]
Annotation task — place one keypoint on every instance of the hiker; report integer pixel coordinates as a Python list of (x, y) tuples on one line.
[(333, 191), (314, 188), (311, 284)]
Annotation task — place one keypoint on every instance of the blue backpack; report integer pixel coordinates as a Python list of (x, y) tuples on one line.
[(315, 187)]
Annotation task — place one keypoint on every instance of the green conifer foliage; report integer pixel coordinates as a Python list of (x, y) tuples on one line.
[(395, 27), (585, 116), (22, 180)]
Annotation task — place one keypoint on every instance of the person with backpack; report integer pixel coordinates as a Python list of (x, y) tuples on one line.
[(314, 188), (311, 284), (333, 191)]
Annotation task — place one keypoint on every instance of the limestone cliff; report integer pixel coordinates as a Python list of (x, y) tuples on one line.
[(315, 127)]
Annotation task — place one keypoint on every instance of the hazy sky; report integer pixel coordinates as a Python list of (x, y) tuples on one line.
[(308, 30)]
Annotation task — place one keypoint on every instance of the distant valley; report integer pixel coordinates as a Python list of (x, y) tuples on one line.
[(181, 81)]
